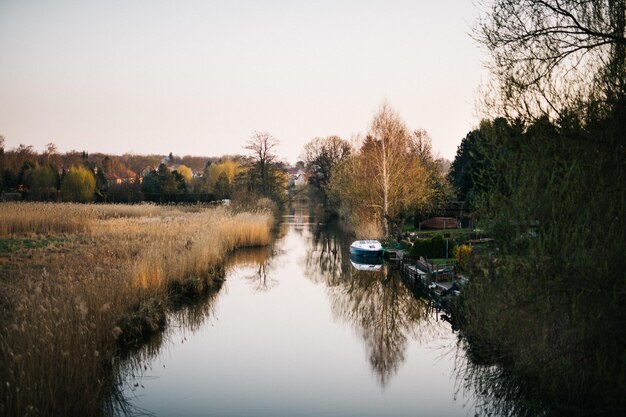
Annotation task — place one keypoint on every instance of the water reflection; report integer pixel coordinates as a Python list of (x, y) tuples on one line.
[(259, 261), (384, 312), (387, 313), (497, 390), (249, 257), (326, 261), (300, 328), (370, 296), (135, 366)]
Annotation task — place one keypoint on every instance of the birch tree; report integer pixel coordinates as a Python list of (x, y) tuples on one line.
[(386, 179), (398, 176)]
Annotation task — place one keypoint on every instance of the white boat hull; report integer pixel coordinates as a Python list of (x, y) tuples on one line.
[(366, 248)]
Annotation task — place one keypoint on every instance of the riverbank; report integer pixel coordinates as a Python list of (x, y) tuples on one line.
[(548, 327), (541, 341), (78, 282)]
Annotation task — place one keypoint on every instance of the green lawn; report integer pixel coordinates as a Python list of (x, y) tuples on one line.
[(441, 261), (18, 244)]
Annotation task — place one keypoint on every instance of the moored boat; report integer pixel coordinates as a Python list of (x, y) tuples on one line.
[(366, 263), (366, 248)]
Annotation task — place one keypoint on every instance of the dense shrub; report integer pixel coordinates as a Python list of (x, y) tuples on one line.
[(434, 247), (462, 254), (78, 185), (125, 193)]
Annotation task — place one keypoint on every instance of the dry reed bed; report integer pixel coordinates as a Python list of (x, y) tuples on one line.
[(72, 305), (51, 218), (42, 219)]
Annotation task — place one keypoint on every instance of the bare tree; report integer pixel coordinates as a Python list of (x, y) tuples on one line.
[(51, 149), (51, 155), (551, 55), (262, 146), (421, 146)]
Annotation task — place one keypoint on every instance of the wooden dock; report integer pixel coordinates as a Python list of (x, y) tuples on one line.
[(394, 254), (437, 281)]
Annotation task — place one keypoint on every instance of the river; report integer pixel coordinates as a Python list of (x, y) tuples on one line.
[(298, 330)]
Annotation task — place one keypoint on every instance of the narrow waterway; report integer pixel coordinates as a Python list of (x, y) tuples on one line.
[(299, 330)]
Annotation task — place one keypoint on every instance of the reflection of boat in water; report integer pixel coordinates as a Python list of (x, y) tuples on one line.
[(369, 248), (366, 263)]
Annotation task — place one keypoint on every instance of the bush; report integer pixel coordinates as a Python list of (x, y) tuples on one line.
[(432, 248), (78, 185), (463, 254)]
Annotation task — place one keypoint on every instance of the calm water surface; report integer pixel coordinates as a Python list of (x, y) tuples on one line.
[(298, 330)]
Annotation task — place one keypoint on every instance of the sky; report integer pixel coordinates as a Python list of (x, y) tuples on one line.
[(196, 77)]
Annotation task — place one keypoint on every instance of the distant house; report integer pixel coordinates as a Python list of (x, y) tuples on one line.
[(112, 179), (298, 177), (169, 164), (128, 177)]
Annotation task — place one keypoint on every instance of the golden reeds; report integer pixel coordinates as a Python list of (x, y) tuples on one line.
[(72, 304), (43, 219)]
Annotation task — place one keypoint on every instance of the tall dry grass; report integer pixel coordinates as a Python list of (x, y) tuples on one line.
[(47, 219), (43, 219), (66, 309)]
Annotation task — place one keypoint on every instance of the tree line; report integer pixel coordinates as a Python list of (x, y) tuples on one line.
[(83, 177), (545, 174)]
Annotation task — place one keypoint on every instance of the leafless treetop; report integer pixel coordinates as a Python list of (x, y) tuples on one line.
[(548, 55)]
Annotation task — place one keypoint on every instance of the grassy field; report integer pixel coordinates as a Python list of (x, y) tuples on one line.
[(77, 282), (9, 245)]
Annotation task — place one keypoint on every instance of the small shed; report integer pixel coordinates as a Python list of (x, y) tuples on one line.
[(440, 223)]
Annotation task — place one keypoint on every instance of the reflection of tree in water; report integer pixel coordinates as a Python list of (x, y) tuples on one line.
[(497, 391), (376, 303), (325, 261), (251, 257), (259, 260), (261, 280), (385, 313)]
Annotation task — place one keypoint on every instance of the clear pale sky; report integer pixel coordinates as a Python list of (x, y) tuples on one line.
[(198, 77)]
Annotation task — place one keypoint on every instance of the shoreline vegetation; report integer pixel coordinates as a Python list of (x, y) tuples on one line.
[(98, 279)]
